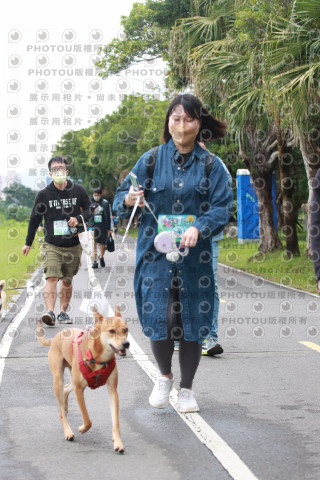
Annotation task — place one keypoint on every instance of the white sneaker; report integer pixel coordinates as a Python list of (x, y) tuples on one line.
[(186, 401), (159, 397)]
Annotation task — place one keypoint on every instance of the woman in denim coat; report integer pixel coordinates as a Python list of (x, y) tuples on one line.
[(175, 299)]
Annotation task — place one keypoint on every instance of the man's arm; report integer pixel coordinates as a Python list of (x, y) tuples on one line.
[(34, 222), (86, 206)]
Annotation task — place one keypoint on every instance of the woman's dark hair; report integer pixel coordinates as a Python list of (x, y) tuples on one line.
[(210, 127), (59, 159)]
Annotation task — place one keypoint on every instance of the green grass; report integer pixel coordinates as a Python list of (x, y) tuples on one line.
[(296, 272), (15, 269)]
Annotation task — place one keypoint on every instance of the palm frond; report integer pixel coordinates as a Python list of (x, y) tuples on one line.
[(307, 10)]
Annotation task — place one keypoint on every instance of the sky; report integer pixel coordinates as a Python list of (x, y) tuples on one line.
[(50, 84)]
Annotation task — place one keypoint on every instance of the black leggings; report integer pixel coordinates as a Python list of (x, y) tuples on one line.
[(189, 352)]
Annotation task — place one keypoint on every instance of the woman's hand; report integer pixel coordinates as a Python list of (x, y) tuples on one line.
[(189, 238), (132, 196)]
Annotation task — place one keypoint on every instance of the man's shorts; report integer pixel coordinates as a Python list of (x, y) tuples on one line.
[(61, 262)]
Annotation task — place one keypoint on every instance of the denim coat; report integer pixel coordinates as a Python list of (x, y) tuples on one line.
[(178, 190)]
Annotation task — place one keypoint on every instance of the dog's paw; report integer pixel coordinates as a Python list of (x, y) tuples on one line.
[(85, 428), (69, 436), (118, 446)]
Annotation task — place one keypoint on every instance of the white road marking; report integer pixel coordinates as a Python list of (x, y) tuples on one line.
[(312, 345), (230, 461), (236, 468), (11, 330)]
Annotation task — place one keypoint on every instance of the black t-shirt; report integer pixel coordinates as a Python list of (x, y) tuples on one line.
[(56, 207)]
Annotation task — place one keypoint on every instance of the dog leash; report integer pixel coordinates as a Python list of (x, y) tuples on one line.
[(126, 233)]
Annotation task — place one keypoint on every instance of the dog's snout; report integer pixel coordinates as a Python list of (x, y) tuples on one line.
[(126, 344)]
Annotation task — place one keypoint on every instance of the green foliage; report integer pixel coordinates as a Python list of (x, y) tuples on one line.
[(145, 35), (19, 195), (100, 153)]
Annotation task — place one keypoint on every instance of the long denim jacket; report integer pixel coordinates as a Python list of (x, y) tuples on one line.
[(178, 190)]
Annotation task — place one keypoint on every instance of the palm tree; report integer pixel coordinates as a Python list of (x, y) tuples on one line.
[(221, 65), (297, 85)]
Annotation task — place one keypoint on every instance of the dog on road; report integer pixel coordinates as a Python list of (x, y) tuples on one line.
[(90, 357)]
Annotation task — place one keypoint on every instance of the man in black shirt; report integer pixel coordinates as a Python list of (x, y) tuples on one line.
[(60, 205)]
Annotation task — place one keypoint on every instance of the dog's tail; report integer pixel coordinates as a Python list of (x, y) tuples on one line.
[(41, 335)]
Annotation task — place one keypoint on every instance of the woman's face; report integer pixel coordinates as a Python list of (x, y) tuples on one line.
[(182, 128)]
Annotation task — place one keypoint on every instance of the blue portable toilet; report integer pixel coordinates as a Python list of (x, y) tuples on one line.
[(248, 209)]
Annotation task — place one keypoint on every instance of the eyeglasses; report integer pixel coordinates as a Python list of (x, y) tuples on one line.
[(58, 169)]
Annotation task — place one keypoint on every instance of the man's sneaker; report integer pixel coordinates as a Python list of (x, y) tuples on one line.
[(49, 318), (211, 347), (186, 401), (63, 317), (102, 262), (94, 265), (159, 397)]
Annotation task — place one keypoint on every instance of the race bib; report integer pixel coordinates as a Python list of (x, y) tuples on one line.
[(61, 227), (97, 219), (176, 223)]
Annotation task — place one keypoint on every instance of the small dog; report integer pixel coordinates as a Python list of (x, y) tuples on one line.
[(99, 345), (3, 297)]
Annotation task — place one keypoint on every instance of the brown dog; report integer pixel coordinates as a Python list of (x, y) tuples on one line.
[(92, 351)]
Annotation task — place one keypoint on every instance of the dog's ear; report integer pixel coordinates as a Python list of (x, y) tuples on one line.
[(117, 313), (97, 316)]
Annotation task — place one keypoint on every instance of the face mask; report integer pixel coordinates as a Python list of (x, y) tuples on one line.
[(96, 198), (59, 177)]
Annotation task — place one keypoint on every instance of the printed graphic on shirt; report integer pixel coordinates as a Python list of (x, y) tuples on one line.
[(64, 202)]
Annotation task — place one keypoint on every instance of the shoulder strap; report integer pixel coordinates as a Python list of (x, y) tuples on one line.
[(151, 164), (209, 162)]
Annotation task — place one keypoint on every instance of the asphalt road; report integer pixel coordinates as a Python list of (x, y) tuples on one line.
[(261, 397)]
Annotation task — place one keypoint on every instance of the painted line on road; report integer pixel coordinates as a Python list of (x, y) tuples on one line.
[(230, 461), (312, 345), (10, 333)]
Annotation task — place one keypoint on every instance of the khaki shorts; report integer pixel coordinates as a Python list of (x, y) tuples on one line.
[(61, 262)]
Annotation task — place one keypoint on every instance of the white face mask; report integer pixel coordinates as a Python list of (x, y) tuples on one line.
[(96, 198), (59, 177)]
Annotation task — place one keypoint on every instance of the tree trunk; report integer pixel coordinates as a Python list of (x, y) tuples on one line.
[(289, 209), (269, 239), (311, 157), (259, 158)]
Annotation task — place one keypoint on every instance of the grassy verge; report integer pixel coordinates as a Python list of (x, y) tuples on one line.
[(15, 269), (296, 272)]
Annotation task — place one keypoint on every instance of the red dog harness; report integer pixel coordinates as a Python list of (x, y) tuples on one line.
[(94, 378)]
